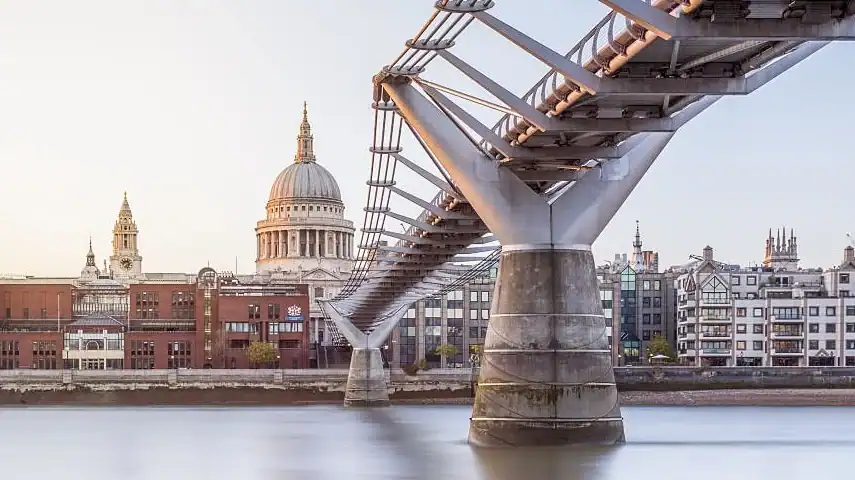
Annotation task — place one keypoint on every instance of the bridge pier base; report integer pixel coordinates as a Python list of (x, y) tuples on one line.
[(366, 380), (546, 373)]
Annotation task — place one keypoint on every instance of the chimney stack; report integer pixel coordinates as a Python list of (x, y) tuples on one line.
[(848, 254), (708, 253)]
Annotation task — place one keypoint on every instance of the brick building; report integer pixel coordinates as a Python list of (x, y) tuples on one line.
[(203, 322)]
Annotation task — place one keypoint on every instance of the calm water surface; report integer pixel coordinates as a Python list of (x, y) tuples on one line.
[(424, 442)]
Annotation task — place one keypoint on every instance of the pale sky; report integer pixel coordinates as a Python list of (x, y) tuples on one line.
[(192, 107)]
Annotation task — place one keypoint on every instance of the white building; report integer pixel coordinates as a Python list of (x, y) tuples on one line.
[(776, 314)]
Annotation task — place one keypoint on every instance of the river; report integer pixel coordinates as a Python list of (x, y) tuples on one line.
[(412, 442)]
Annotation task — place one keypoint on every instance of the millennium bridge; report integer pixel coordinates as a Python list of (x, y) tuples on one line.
[(536, 189)]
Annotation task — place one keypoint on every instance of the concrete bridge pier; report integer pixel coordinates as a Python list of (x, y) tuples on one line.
[(366, 378), (546, 374)]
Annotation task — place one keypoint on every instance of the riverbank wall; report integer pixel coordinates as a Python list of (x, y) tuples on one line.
[(638, 385)]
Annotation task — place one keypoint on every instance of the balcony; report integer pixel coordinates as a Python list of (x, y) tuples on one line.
[(787, 335), (785, 318), (787, 352), (715, 335), (715, 302), (715, 352), (719, 319), (688, 352)]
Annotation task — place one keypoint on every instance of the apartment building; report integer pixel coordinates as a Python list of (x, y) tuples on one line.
[(774, 314)]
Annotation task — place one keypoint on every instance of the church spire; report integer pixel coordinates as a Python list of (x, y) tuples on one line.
[(125, 210), (90, 257), (305, 140)]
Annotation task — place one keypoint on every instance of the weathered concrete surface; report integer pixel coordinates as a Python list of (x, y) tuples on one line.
[(366, 379), (546, 375)]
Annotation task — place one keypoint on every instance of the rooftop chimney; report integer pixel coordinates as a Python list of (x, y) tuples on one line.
[(848, 254), (708, 253)]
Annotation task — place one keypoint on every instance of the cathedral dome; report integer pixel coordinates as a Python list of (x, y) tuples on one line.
[(305, 179)]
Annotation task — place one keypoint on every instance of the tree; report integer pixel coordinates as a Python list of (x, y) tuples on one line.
[(446, 351), (659, 346), (475, 353), (261, 353)]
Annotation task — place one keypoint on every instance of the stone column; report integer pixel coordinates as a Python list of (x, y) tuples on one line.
[(546, 356), (257, 246)]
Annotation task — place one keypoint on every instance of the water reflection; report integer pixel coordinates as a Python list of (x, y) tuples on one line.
[(416, 443), (550, 463)]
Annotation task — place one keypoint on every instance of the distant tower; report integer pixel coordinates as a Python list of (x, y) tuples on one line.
[(90, 271), (637, 256), (125, 262), (782, 252)]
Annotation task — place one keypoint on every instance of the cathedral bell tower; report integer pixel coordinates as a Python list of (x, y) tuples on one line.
[(125, 262)]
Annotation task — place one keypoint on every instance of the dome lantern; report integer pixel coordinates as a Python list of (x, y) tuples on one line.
[(305, 179)]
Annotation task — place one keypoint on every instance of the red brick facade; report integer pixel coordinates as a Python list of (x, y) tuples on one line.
[(167, 326)]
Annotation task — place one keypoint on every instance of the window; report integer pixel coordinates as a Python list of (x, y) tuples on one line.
[(830, 345), (645, 302), (751, 280), (657, 302), (179, 355), (844, 293), (813, 344), (645, 319), (830, 328), (485, 296), (850, 310), (813, 327), (645, 285), (757, 312), (757, 345), (740, 345), (142, 355), (183, 305), (741, 312), (473, 314), (253, 312), (645, 335), (657, 319), (657, 285), (741, 328), (844, 278), (830, 311), (319, 292), (813, 311), (274, 310), (850, 328), (485, 314), (758, 329), (473, 296), (736, 280)]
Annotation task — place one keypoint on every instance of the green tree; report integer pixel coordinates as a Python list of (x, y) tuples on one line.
[(446, 351), (659, 346), (475, 353), (262, 353)]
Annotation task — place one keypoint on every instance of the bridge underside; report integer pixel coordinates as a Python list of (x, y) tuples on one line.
[(547, 179)]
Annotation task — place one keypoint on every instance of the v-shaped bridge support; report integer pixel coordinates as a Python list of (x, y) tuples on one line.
[(366, 378)]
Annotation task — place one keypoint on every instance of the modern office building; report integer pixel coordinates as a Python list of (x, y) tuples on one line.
[(639, 303), (774, 314), (459, 318)]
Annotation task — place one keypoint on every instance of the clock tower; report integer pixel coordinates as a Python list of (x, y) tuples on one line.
[(125, 262)]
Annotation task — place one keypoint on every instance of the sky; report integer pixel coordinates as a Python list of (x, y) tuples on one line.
[(192, 107)]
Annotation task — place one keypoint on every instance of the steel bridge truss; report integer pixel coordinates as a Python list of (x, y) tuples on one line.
[(642, 72)]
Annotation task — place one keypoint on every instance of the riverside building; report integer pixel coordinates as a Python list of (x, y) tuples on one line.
[(639, 303), (774, 314)]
